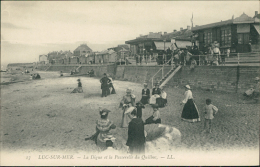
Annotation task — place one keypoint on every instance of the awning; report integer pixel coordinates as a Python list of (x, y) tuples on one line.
[(183, 44), (162, 45), (257, 27)]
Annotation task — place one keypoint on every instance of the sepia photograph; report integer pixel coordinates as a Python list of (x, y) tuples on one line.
[(130, 83)]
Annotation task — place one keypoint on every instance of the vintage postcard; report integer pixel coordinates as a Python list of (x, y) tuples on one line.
[(130, 83)]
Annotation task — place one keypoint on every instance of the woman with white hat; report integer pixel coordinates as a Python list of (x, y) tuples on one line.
[(127, 102), (145, 94), (190, 111), (155, 94)]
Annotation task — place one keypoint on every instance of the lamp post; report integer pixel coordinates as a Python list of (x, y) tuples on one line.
[(145, 56), (151, 54), (164, 50)]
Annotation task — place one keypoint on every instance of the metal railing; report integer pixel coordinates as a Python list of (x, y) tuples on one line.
[(161, 69), (235, 58)]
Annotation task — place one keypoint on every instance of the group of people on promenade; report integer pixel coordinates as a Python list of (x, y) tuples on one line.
[(132, 116), (188, 56)]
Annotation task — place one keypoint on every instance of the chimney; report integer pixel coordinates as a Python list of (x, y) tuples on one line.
[(181, 29), (165, 33), (256, 13), (174, 30), (188, 27)]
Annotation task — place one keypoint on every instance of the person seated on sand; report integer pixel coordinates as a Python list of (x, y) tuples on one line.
[(71, 72), (145, 94), (155, 94), (110, 150), (103, 126), (155, 118), (36, 76), (162, 100), (254, 92), (91, 73), (79, 88), (61, 73)]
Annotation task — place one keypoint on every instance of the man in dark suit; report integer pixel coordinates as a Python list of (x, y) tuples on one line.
[(105, 85), (136, 136)]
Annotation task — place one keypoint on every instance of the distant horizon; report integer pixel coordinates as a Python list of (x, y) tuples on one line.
[(32, 28)]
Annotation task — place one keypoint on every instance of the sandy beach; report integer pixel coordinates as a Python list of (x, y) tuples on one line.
[(43, 116)]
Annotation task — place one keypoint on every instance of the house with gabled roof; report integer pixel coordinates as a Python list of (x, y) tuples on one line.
[(82, 50), (43, 59), (239, 34)]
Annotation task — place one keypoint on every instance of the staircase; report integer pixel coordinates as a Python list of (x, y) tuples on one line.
[(48, 67), (165, 78), (169, 75), (77, 69)]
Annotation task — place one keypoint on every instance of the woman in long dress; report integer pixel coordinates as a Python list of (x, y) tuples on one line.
[(155, 94), (145, 94), (127, 102), (190, 111), (103, 126), (162, 101), (79, 88)]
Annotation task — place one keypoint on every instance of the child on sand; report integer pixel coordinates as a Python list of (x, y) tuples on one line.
[(139, 107), (209, 111)]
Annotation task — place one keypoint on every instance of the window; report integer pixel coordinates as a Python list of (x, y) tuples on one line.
[(208, 37), (226, 37), (243, 38)]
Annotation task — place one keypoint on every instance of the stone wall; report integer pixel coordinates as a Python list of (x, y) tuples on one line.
[(220, 78)]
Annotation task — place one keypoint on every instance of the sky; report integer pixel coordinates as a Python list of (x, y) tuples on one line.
[(32, 28)]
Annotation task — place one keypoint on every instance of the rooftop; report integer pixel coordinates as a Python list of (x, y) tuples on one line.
[(82, 47)]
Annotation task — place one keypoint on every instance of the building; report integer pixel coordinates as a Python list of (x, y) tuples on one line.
[(158, 42), (82, 50), (239, 34), (59, 57), (43, 59), (106, 57)]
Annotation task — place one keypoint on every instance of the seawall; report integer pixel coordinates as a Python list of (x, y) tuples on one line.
[(217, 78)]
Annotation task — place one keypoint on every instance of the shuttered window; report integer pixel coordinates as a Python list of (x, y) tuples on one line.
[(226, 37)]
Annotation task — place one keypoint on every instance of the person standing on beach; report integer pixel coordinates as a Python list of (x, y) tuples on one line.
[(127, 102), (136, 136), (104, 85), (190, 111), (210, 111)]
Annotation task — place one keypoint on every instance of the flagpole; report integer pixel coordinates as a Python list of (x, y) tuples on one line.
[(192, 20)]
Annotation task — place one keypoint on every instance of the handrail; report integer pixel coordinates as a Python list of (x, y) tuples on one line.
[(231, 56), (155, 74), (159, 71)]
